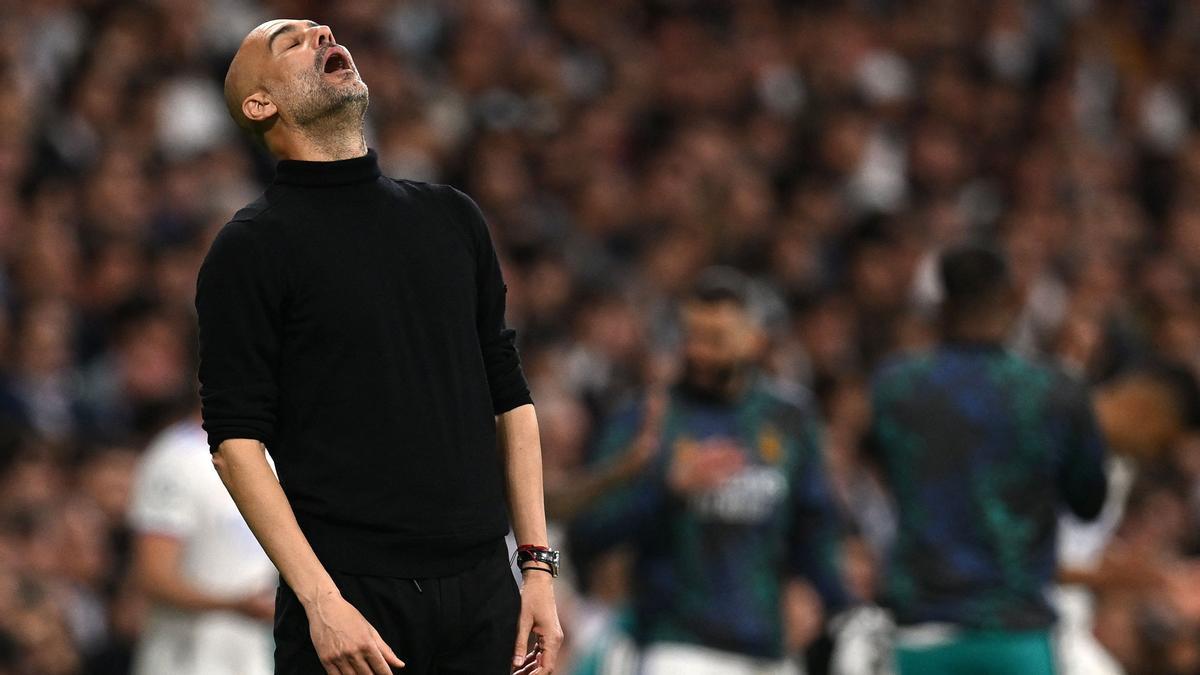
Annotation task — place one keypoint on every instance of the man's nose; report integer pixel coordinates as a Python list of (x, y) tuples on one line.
[(323, 35)]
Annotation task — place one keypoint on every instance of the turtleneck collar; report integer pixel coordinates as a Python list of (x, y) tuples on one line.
[(338, 172)]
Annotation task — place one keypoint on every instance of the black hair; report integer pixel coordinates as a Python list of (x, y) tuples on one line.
[(972, 275), (721, 284), (10, 651)]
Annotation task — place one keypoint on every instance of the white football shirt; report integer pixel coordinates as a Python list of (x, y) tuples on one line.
[(178, 493)]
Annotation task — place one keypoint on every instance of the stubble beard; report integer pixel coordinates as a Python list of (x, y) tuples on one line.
[(321, 107), (714, 381)]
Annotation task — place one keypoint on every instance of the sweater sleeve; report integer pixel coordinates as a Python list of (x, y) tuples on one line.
[(239, 292), (506, 380), (1082, 479), (816, 529), (630, 511)]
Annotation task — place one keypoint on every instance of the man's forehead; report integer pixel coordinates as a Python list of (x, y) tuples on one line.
[(726, 311), (266, 29)]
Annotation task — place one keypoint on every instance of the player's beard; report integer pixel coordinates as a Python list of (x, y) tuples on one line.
[(711, 380)]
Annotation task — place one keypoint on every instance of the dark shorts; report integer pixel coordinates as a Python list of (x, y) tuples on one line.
[(464, 624)]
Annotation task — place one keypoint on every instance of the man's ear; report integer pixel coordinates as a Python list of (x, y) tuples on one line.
[(258, 107)]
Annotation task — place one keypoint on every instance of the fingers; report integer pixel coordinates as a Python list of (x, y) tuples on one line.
[(551, 640), (358, 665), (646, 443), (530, 666), (376, 664), (523, 626), (389, 656), (368, 660)]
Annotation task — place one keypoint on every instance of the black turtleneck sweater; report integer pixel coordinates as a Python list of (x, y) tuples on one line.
[(354, 324)]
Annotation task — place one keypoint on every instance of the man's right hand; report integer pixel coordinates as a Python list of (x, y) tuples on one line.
[(700, 467), (345, 642)]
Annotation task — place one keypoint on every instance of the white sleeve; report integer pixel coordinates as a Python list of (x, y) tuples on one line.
[(163, 499)]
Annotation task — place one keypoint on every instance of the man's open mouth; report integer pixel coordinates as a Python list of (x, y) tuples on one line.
[(336, 61)]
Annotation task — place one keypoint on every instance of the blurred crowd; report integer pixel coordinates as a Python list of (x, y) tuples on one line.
[(830, 150)]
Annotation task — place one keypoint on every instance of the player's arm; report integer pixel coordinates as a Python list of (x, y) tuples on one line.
[(817, 534), (163, 514), (1082, 478), (627, 511), (240, 293), (605, 477), (156, 567), (575, 496)]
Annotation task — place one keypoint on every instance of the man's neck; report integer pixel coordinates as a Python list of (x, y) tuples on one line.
[(729, 393), (327, 141), (980, 330)]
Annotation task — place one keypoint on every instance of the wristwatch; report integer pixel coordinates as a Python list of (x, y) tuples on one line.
[(541, 554)]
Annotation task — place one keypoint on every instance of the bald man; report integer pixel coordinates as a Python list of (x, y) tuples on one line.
[(352, 325)]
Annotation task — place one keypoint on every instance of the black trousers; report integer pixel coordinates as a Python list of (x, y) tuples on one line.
[(464, 624)]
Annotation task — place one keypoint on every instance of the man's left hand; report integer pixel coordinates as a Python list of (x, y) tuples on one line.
[(539, 623)]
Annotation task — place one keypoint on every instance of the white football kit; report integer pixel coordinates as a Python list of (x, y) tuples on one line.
[(178, 493)]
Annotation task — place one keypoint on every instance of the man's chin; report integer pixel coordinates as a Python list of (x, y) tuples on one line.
[(343, 82), (333, 104), (354, 91), (345, 94), (707, 385)]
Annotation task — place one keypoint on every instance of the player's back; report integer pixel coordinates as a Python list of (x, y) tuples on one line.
[(981, 448)]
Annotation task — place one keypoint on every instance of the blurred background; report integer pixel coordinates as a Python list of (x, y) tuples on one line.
[(829, 150)]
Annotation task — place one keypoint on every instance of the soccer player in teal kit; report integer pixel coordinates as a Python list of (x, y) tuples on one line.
[(734, 503), (980, 448)]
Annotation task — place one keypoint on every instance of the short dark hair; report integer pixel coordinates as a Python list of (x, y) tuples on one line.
[(721, 284), (972, 274)]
